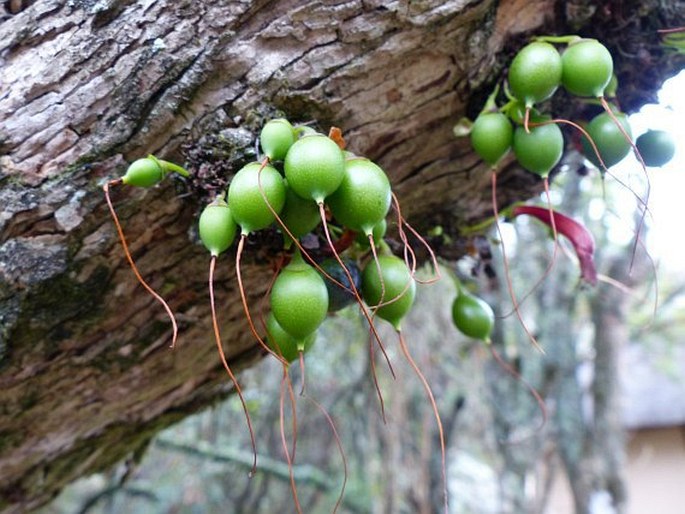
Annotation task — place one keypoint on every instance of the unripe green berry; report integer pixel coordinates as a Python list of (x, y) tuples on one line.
[(535, 72), (539, 150), (276, 138), (145, 172), (472, 316), (363, 198), (217, 228), (398, 287), (314, 167), (246, 199), (492, 136), (587, 68)]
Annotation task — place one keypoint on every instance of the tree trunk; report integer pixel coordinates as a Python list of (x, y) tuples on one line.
[(86, 375)]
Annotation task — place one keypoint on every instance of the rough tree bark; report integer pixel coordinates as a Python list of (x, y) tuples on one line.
[(86, 375)]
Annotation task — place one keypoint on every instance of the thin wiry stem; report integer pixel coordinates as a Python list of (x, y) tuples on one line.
[(217, 337), (555, 250), (284, 442), (505, 262), (375, 308), (133, 264), (362, 307), (434, 260), (431, 398), (302, 373), (637, 153), (541, 403), (246, 308), (338, 442)]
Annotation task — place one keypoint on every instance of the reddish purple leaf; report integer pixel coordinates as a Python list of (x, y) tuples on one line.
[(580, 237)]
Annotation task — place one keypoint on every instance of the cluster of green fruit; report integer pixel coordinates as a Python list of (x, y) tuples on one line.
[(585, 69), (305, 178), (303, 173), (317, 174)]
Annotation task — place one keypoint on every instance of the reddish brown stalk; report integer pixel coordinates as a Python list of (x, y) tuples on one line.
[(287, 378), (338, 442), (517, 376), (555, 249), (505, 263), (362, 307), (374, 376), (431, 398), (579, 236), (403, 237), (303, 373), (284, 442), (526, 120), (217, 338), (293, 406), (132, 264), (671, 31), (375, 308), (354, 290), (408, 252), (652, 265), (335, 134), (581, 130), (641, 201), (637, 153), (246, 308)]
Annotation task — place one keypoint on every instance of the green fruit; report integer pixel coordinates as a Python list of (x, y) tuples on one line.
[(247, 204), (144, 172), (492, 136), (301, 216), (299, 298), (587, 68), (314, 167), (657, 147), (472, 316), (363, 198), (535, 73), (400, 288), (607, 136), (540, 150), (284, 344), (217, 227), (276, 138)]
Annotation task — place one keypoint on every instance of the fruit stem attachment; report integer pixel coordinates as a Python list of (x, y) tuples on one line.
[(132, 264), (569, 39), (170, 166), (491, 102)]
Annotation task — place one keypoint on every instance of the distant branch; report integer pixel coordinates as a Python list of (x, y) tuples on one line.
[(304, 473)]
